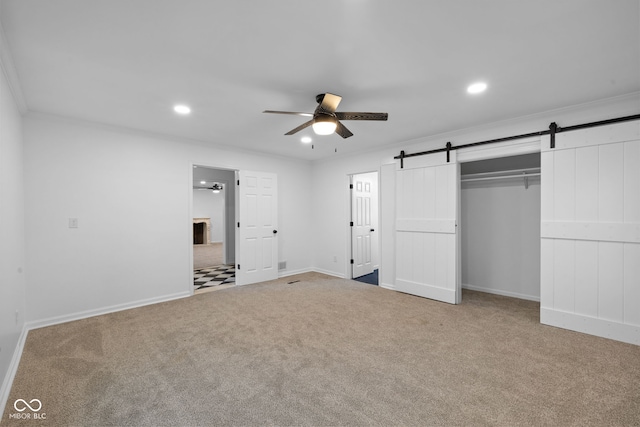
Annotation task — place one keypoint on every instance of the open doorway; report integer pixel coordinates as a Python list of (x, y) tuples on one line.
[(364, 227), (500, 226), (213, 211)]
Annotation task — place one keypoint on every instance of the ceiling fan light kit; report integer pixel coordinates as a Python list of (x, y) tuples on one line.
[(326, 120), (324, 125)]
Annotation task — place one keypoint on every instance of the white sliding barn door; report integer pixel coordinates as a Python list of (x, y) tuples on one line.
[(257, 228), (426, 228), (590, 246)]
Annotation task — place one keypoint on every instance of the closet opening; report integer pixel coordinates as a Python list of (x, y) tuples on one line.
[(500, 226)]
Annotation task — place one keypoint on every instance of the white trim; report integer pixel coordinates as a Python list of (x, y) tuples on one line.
[(294, 272), (389, 286), (105, 310), (592, 231), (426, 291), (502, 149), (327, 272), (501, 292), (591, 325), (599, 135), (444, 226), (13, 369), (425, 161)]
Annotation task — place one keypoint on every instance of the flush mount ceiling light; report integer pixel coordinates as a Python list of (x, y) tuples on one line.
[(477, 87), (182, 109), (305, 139)]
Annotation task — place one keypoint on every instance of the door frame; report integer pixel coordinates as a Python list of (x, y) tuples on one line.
[(505, 149), (192, 166), (349, 246)]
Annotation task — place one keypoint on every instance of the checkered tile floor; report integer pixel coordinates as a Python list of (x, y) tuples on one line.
[(210, 277)]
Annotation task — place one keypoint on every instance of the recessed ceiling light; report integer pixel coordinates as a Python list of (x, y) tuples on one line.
[(477, 87), (305, 139), (181, 109), (203, 182)]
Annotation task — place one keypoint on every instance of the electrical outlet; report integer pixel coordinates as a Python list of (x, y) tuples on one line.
[(73, 222)]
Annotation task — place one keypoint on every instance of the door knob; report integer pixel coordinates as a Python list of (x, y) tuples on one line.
[(372, 230), (275, 231)]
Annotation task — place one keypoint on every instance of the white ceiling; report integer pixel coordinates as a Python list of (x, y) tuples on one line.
[(127, 62)]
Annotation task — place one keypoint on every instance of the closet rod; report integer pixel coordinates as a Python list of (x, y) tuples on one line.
[(553, 129), (488, 178), (509, 172)]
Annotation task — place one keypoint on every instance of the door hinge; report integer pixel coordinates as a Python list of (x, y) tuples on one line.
[(238, 266), (238, 224), (351, 261), (350, 186), (238, 182), (351, 224)]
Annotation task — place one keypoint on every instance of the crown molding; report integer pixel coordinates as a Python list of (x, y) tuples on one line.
[(9, 70)]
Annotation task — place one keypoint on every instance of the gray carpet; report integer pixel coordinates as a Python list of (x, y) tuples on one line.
[(208, 255), (326, 351)]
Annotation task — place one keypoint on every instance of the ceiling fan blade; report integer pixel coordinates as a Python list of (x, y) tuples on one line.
[(299, 128), (342, 130), (329, 103), (289, 112), (361, 116)]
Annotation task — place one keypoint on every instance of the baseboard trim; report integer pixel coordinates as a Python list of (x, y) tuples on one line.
[(591, 325), (36, 324), (389, 286), (294, 272), (426, 291), (501, 292), (5, 391), (328, 272)]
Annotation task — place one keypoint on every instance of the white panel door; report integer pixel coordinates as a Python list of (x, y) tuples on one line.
[(590, 231), (427, 238), (257, 259), (362, 199)]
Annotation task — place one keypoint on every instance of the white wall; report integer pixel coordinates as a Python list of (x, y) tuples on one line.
[(330, 176), (207, 204), (12, 249), (128, 249), (500, 226)]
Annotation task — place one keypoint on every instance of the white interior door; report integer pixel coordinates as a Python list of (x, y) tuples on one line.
[(362, 216), (427, 238), (257, 259)]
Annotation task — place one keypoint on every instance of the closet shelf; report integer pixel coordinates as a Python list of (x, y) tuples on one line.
[(510, 174)]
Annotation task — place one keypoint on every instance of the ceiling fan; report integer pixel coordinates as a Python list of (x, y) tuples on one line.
[(326, 120), (216, 188)]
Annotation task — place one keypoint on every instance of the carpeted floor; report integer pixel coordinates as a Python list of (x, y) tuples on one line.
[(208, 255), (316, 350)]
